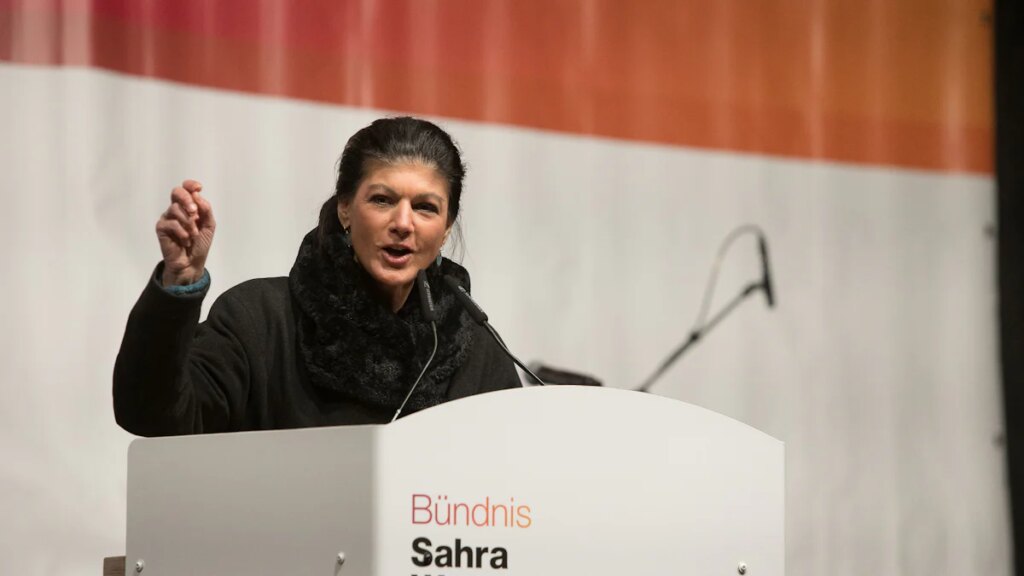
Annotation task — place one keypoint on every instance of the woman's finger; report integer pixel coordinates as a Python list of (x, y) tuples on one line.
[(184, 198), (205, 210), (171, 228), (187, 221), (192, 185)]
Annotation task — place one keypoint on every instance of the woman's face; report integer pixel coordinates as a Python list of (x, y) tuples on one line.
[(398, 220)]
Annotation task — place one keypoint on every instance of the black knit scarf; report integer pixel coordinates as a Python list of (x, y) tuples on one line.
[(355, 346)]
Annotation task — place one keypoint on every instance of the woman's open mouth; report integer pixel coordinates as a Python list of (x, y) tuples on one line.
[(397, 255)]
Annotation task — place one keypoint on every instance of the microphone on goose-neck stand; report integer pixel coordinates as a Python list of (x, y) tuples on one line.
[(766, 272), (703, 325), (480, 317), (431, 315)]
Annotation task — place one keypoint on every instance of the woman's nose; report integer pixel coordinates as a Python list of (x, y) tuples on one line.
[(401, 219)]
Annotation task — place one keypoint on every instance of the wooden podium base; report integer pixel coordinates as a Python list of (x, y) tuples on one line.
[(113, 566)]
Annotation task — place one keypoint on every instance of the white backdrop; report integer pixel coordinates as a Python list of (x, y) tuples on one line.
[(878, 368)]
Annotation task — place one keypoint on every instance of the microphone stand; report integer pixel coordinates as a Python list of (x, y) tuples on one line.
[(700, 333)]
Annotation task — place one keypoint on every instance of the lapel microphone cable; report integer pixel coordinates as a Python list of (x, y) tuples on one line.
[(430, 313)]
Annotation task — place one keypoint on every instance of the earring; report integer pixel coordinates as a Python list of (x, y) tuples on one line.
[(346, 238)]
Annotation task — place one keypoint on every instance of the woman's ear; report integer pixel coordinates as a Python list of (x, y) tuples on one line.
[(343, 208)]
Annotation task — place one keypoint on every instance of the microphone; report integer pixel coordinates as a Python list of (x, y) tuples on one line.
[(430, 313), (480, 317), (766, 274), (426, 298), (703, 325), (475, 311)]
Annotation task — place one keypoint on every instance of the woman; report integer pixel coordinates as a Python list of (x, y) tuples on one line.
[(341, 339)]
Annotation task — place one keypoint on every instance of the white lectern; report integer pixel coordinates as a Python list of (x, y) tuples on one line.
[(538, 481)]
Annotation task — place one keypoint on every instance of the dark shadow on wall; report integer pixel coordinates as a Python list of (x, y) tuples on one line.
[(1009, 40)]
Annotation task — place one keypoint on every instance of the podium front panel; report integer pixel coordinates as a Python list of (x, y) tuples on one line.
[(253, 503)]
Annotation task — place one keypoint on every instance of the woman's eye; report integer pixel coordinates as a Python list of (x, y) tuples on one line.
[(380, 200), (425, 207)]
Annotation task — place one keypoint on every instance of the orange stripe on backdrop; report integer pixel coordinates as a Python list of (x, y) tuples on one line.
[(892, 82)]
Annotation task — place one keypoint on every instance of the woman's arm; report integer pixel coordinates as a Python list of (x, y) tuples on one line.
[(176, 376), (172, 375)]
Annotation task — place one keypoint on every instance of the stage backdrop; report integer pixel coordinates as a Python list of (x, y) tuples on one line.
[(611, 146)]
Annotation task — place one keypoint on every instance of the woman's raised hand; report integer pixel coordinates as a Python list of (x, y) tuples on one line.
[(185, 231)]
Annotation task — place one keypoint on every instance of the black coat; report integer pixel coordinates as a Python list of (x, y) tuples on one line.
[(241, 369)]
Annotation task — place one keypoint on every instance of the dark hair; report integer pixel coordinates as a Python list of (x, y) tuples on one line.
[(394, 141)]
